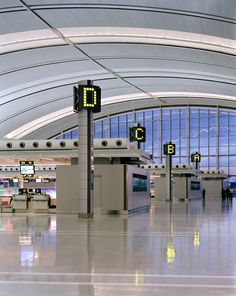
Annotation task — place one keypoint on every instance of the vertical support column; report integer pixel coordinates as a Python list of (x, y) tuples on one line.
[(217, 140), (87, 100), (21, 181), (160, 151), (188, 136), (86, 163)]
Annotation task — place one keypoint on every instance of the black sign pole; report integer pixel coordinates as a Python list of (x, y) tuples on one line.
[(170, 177), (89, 161)]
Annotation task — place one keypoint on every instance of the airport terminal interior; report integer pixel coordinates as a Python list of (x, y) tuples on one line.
[(117, 147)]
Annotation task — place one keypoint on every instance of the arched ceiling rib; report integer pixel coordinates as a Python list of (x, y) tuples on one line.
[(149, 52)]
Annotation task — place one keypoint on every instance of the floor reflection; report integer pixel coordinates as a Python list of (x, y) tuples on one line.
[(178, 243)]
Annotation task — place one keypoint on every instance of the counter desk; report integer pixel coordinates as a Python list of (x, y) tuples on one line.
[(19, 202)]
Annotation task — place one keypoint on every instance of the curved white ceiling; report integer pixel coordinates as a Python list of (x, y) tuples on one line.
[(134, 50)]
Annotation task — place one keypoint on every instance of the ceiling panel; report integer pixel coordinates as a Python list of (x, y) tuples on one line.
[(46, 73), (159, 52), (38, 56), (19, 21), (9, 4)]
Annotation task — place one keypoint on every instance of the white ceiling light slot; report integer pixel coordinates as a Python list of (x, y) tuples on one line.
[(39, 38)]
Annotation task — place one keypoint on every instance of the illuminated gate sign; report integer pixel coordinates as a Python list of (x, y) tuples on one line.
[(196, 157), (87, 97), (169, 149), (137, 133)]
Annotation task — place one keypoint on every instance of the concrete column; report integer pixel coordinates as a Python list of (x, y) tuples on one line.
[(21, 181), (85, 163)]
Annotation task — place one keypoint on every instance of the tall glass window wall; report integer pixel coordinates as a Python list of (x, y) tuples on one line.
[(212, 132)]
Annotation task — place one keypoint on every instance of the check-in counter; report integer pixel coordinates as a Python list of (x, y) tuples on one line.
[(40, 203), (19, 202)]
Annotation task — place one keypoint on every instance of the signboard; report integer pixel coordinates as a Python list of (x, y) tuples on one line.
[(87, 97), (137, 133), (196, 157), (27, 168), (169, 149)]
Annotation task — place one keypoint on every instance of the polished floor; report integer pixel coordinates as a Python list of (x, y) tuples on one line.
[(179, 249)]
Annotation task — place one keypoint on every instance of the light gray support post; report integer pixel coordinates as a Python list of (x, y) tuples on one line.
[(85, 163)]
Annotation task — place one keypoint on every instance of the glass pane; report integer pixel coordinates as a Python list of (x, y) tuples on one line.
[(122, 118), (165, 113), (183, 123), (212, 121), (166, 124), (204, 150), (223, 141), (122, 130), (232, 161), (223, 120), (232, 130), (194, 141), (212, 141), (114, 130), (212, 113), (183, 113), (193, 113), (203, 141), (223, 130), (165, 136), (204, 122), (232, 149), (148, 116), (223, 150), (105, 128), (114, 119), (203, 113), (98, 130), (223, 161), (232, 118), (212, 162), (193, 149), (212, 150), (203, 133), (175, 114), (183, 133), (204, 162), (212, 132), (183, 151), (148, 125), (74, 133), (193, 122), (175, 124), (139, 117), (67, 135)]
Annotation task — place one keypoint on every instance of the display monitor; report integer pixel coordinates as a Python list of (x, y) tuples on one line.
[(27, 169), (15, 180), (195, 185), (22, 190), (139, 183)]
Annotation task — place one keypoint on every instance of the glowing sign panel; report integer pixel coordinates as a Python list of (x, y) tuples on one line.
[(196, 157), (87, 97), (137, 133), (169, 149)]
